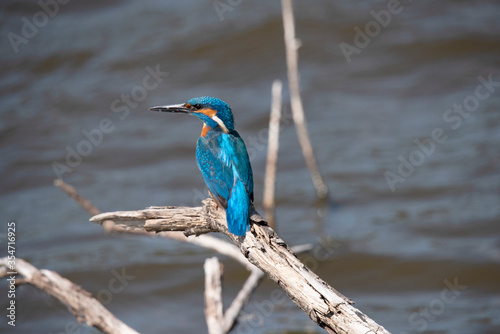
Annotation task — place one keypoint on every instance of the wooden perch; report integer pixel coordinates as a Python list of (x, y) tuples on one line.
[(80, 302), (267, 251)]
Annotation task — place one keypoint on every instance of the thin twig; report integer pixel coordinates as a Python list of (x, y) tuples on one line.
[(291, 46), (241, 299), (268, 201), (71, 191), (80, 302), (108, 225)]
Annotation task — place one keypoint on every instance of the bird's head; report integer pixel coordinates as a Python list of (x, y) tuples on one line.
[(214, 112)]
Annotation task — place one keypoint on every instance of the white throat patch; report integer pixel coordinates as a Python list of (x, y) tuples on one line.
[(221, 124)]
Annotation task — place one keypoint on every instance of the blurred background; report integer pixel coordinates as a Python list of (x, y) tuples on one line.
[(411, 232)]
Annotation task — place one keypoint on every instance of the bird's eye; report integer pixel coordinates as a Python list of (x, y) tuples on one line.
[(197, 106)]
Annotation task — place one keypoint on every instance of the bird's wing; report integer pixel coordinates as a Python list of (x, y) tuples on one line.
[(238, 156), (220, 157), (217, 175)]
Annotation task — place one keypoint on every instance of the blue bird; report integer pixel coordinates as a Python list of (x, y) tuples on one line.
[(222, 158)]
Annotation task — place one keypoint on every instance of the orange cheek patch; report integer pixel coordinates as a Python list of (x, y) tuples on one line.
[(205, 130), (207, 111)]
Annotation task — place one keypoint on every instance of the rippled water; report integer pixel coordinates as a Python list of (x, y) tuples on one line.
[(422, 258)]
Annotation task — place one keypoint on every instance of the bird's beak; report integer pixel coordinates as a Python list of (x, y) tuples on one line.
[(180, 108)]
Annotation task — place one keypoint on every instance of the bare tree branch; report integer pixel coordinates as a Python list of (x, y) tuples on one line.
[(266, 250), (241, 299), (80, 302), (268, 201), (71, 191), (213, 295), (291, 46)]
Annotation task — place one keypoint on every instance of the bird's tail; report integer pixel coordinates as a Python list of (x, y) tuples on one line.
[(238, 209)]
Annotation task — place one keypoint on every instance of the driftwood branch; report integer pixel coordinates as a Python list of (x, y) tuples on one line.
[(267, 251), (80, 302)]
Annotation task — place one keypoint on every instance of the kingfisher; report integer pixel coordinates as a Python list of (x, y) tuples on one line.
[(222, 158)]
